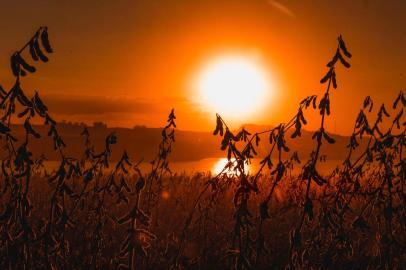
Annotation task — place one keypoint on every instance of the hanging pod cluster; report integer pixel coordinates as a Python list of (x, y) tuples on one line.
[(19, 65)]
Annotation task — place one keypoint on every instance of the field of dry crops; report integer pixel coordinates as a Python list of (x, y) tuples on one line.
[(90, 214)]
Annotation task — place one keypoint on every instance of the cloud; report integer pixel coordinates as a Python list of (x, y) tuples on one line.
[(96, 105), (281, 8), (124, 111)]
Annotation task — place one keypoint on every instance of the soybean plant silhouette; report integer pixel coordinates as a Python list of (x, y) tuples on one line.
[(91, 213)]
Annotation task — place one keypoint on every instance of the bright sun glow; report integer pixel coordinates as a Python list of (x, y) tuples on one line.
[(236, 86)]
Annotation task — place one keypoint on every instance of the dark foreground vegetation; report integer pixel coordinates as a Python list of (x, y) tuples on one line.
[(89, 214)]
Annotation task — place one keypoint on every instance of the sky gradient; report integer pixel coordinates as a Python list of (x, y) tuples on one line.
[(129, 62)]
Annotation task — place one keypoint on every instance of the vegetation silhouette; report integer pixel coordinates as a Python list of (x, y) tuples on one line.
[(92, 214)]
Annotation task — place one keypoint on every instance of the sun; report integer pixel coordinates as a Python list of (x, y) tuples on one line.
[(236, 86)]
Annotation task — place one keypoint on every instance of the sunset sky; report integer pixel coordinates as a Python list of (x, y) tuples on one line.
[(129, 62)]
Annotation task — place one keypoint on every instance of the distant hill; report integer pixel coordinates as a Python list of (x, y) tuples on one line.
[(142, 142)]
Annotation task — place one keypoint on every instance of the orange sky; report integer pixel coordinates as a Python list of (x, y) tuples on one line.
[(127, 62)]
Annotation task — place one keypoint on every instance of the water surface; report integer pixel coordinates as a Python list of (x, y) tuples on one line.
[(215, 165)]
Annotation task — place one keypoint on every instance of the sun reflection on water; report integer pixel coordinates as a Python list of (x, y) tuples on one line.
[(221, 163)]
